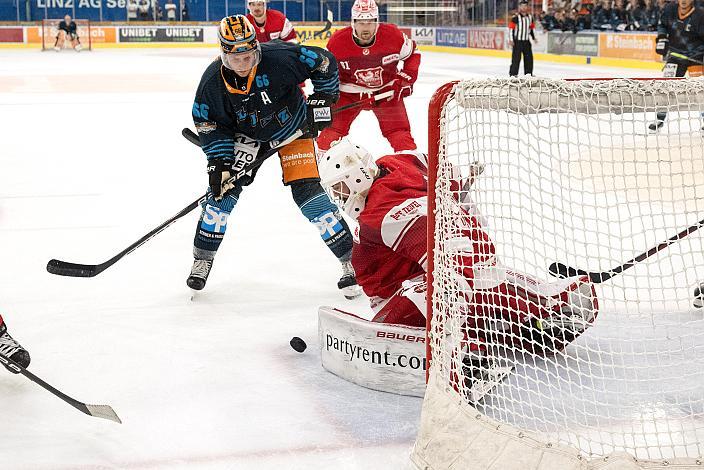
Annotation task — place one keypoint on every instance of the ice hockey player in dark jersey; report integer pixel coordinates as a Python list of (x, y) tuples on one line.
[(389, 200), (681, 41), (248, 103), (11, 348), (67, 30)]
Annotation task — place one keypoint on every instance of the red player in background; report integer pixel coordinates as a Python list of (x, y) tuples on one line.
[(269, 24), (368, 55)]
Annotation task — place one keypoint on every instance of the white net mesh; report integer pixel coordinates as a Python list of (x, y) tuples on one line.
[(571, 173)]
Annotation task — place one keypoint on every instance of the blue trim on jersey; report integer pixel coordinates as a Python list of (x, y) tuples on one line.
[(223, 148), (331, 83), (317, 205)]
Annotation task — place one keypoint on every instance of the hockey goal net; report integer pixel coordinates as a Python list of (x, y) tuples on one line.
[(571, 173), (50, 29)]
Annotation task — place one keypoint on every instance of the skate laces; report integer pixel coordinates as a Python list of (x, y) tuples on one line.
[(347, 269), (201, 268), (8, 345)]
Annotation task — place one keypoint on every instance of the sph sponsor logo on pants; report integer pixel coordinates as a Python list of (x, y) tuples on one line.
[(214, 219)]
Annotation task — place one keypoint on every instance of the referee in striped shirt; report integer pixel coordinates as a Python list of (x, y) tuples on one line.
[(521, 30)]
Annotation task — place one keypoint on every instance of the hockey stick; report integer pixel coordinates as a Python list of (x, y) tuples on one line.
[(682, 56), (97, 411), (65, 268), (562, 270), (387, 95)]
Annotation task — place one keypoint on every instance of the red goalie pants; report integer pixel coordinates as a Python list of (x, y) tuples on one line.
[(392, 117)]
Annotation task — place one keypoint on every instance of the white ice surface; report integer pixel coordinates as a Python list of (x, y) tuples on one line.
[(91, 158)]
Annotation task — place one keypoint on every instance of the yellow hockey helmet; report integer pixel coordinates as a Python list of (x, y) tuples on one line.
[(236, 34)]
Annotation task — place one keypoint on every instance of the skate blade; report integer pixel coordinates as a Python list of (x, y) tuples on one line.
[(352, 292)]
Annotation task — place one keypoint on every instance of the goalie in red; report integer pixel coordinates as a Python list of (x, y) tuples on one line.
[(67, 30), (369, 54), (269, 24), (388, 199)]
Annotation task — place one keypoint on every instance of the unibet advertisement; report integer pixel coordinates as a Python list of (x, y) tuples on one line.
[(160, 34)]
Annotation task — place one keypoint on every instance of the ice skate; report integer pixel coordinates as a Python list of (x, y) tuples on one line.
[(199, 273), (348, 282), (10, 348)]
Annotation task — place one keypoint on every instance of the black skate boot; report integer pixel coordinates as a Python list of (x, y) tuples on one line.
[(698, 301), (199, 273), (12, 349), (348, 282), (655, 126)]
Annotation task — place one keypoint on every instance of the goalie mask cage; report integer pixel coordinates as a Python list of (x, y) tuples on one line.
[(50, 28), (572, 175)]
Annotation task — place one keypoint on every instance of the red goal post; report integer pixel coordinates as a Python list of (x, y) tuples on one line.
[(571, 173), (50, 28)]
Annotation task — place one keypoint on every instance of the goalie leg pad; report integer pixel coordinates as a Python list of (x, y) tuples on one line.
[(542, 317), (316, 205), (390, 358)]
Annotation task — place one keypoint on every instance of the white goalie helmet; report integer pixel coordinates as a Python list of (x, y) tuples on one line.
[(347, 171)]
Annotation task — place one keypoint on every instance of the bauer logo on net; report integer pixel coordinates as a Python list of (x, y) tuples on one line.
[(214, 219)]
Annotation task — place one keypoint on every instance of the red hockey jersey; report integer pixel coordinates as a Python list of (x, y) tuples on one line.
[(390, 246), (368, 69), (276, 26)]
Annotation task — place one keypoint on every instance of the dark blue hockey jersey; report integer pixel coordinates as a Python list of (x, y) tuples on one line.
[(686, 35), (267, 106)]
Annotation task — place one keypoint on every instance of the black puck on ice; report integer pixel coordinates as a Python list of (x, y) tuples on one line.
[(298, 344)]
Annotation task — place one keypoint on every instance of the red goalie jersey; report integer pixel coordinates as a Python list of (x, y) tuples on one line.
[(391, 244), (389, 257), (276, 26), (365, 69)]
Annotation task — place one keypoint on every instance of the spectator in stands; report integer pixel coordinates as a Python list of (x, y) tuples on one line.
[(652, 14), (604, 16), (637, 16), (548, 20), (132, 10), (170, 10), (619, 16), (144, 10), (156, 9), (184, 11), (584, 18), (569, 22)]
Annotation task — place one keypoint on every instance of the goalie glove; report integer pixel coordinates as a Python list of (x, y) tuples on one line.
[(319, 115), (662, 45)]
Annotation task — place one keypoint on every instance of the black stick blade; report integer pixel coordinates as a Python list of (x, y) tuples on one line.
[(64, 268), (562, 270)]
